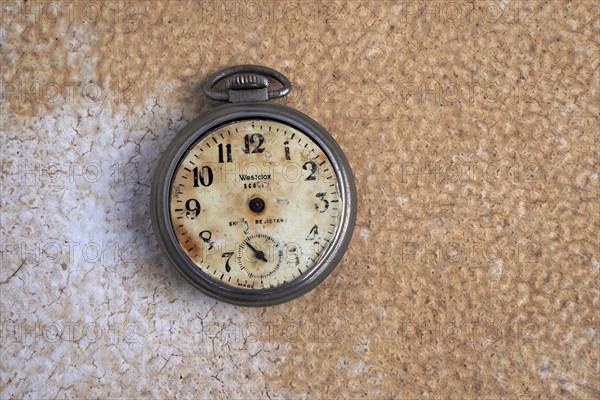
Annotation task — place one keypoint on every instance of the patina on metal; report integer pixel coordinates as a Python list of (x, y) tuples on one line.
[(199, 145), (247, 83)]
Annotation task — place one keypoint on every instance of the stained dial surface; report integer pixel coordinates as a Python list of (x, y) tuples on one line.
[(255, 203)]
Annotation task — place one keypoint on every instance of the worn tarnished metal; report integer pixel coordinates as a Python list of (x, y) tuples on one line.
[(253, 203), (247, 83)]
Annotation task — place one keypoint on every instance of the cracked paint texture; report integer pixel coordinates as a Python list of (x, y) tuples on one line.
[(472, 130)]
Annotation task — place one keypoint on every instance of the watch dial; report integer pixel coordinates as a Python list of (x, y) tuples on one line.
[(255, 203)]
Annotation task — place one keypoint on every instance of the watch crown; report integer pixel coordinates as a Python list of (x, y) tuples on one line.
[(246, 81)]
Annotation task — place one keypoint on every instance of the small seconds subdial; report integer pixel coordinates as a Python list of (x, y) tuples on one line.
[(255, 203), (260, 256)]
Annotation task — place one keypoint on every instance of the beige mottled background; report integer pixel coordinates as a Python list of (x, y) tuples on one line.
[(473, 132)]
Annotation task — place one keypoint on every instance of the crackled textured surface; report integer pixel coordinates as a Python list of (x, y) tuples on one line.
[(472, 129)]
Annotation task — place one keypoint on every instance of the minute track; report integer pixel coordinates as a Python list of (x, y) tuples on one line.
[(277, 183)]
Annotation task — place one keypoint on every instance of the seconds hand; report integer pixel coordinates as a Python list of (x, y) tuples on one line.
[(257, 253)]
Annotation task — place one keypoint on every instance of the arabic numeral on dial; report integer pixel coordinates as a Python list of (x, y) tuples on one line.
[(312, 167), (324, 204), (292, 254), (227, 153), (192, 208), (227, 255), (286, 150), (203, 176), (256, 140), (206, 237), (314, 232)]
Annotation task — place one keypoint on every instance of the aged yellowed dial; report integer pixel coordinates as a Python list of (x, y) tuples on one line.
[(254, 203)]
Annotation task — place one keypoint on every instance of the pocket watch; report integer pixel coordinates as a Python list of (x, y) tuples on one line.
[(254, 203)]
